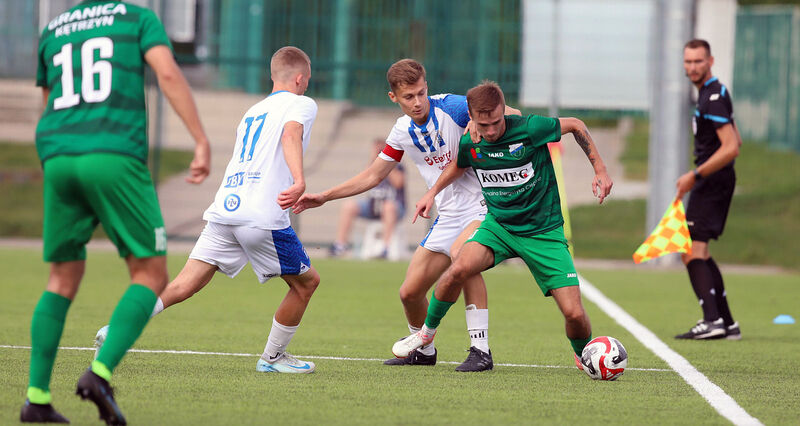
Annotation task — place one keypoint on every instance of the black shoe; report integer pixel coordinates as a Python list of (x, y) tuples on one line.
[(93, 387), (40, 413), (732, 332), (414, 358), (477, 360), (705, 330)]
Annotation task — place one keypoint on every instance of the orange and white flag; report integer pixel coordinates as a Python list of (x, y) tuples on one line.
[(670, 236)]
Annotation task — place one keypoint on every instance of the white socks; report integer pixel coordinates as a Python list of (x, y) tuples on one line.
[(478, 327), (427, 349), (279, 338), (158, 308)]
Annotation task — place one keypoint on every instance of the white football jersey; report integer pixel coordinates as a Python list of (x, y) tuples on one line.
[(432, 147), (257, 172)]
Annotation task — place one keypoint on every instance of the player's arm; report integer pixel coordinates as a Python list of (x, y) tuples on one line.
[(45, 95), (176, 89), (367, 179), (448, 176), (601, 184), (292, 144), (730, 141)]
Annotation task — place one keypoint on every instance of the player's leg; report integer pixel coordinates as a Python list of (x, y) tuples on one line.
[(112, 183), (576, 322), (216, 249), (473, 259), (285, 324), (732, 331), (192, 278), (47, 325), (703, 220), (425, 267), (279, 253), (68, 225), (475, 297)]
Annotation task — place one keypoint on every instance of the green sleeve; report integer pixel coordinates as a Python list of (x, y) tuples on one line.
[(462, 159), (152, 33), (41, 69), (543, 130)]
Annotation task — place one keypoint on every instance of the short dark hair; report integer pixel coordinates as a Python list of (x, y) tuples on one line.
[(404, 71), (485, 97), (697, 43)]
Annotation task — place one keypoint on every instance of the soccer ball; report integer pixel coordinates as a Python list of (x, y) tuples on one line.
[(604, 358)]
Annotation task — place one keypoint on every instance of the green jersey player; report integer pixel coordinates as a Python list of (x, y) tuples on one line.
[(524, 218), (92, 142)]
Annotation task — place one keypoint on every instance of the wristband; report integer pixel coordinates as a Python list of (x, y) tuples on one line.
[(697, 175)]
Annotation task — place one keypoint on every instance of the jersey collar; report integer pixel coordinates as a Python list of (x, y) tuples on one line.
[(710, 80)]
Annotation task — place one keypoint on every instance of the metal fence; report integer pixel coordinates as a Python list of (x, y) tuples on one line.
[(353, 42), (766, 81)]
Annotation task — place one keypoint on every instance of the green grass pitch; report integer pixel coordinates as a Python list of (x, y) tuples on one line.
[(356, 314)]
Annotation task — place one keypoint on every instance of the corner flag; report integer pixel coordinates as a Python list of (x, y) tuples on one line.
[(670, 236)]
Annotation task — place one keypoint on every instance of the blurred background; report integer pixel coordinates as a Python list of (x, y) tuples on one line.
[(616, 64)]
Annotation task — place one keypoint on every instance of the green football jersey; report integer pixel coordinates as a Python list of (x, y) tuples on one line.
[(516, 174), (91, 58)]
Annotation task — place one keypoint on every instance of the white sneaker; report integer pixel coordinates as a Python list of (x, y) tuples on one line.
[(285, 363), (403, 347), (99, 339)]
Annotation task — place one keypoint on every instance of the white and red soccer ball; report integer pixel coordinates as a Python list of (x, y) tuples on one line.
[(604, 358)]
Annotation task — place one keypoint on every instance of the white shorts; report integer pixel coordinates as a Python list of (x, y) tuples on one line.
[(271, 252), (446, 229)]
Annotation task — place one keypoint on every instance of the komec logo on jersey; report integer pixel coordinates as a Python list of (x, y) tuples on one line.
[(505, 177)]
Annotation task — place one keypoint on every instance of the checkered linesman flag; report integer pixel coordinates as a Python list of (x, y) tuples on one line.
[(670, 236)]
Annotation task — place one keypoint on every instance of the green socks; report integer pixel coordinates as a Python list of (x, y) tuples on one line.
[(579, 344), (127, 322), (437, 309), (46, 327)]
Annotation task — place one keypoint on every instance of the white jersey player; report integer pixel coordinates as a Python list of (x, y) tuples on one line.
[(249, 218), (429, 133)]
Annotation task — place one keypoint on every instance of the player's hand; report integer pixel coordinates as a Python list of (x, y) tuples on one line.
[(601, 185), (685, 184), (423, 207), (472, 129), (289, 197), (200, 166), (308, 201)]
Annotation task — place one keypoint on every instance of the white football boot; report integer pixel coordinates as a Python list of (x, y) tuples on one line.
[(99, 339), (285, 363), (403, 347)]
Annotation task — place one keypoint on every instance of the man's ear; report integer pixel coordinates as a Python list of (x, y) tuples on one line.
[(392, 96)]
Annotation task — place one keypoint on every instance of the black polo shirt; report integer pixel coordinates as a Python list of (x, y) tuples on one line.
[(714, 110)]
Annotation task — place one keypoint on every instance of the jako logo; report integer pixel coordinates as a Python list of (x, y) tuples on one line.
[(495, 154), (505, 177)]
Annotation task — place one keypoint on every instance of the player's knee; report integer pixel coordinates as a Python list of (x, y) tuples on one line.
[(308, 285), (459, 272), (575, 315), (408, 294)]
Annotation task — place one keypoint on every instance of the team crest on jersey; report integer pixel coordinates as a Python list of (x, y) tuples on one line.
[(516, 150)]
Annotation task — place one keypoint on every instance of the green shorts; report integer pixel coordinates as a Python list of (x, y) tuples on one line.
[(115, 190), (547, 254)]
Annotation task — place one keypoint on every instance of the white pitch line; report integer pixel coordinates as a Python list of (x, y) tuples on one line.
[(719, 400), (333, 358)]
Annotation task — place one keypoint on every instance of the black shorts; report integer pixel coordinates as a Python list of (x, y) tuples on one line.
[(709, 203)]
